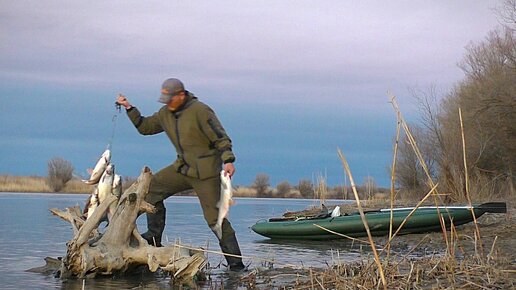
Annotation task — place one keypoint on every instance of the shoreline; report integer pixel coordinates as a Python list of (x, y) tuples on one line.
[(38, 184)]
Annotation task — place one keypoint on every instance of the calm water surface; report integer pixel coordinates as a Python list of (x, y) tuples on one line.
[(29, 233)]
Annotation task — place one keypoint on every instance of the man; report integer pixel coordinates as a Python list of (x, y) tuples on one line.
[(202, 147)]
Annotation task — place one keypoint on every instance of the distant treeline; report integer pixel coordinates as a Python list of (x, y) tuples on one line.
[(260, 188)]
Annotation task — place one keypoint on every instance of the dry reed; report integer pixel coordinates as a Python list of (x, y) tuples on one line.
[(10, 183), (393, 179), (364, 220), (467, 179)]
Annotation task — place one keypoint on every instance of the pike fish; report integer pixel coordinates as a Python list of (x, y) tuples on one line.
[(226, 195), (100, 167)]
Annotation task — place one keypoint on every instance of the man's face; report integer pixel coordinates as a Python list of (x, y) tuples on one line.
[(176, 101)]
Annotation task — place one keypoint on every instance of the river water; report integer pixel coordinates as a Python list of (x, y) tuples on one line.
[(29, 233)]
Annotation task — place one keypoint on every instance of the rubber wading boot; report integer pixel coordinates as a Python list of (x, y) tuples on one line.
[(229, 245), (155, 225)]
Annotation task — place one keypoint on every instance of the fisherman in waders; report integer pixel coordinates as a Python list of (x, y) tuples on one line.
[(203, 149)]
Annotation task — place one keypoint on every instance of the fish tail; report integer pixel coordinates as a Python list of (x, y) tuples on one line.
[(217, 229), (90, 182)]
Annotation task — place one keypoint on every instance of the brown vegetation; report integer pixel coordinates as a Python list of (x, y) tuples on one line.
[(10, 183), (487, 101), (59, 173), (262, 185)]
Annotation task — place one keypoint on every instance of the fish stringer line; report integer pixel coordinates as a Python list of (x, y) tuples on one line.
[(113, 121)]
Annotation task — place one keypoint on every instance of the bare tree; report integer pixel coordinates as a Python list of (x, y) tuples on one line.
[(410, 176), (262, 184), (306, 188), (507, 14), (283, 188), (487, 100), (59, 173)]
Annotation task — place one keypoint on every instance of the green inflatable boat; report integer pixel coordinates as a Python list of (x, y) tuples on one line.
[(424, 219)]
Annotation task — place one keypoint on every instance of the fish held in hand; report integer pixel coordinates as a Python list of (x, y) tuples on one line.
[(100, 167), (226, 200)]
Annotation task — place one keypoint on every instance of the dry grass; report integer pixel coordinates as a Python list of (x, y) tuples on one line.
[(77, 186), (242, 191), (9, 183), (434, 272)]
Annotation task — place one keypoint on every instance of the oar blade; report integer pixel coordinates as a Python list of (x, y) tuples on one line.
[(494, 207)]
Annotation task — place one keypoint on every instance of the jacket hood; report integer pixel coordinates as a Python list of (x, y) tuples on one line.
[(189, 100)]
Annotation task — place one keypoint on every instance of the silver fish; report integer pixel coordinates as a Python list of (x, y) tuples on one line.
[(117, 186), (100, 167), (93, 202), (226, 195), (105, 186)]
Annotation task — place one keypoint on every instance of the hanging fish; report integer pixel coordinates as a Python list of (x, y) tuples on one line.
[(117, 186), (105, 187), (92, 203), (100, 167)]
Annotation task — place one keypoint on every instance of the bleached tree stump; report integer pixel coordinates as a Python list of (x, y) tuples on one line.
[(121, 247)]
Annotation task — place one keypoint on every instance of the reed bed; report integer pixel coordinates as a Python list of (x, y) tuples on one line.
[(11, 183), (417, 261)]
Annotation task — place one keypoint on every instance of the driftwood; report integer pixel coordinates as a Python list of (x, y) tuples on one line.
[(121, 247)]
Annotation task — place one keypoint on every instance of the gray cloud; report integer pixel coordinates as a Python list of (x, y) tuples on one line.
[(322, 55), (146, 40)]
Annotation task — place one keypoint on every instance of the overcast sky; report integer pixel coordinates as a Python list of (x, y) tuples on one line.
[(290, 80)]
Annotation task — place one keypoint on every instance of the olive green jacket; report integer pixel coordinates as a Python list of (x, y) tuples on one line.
[(201, 142)]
